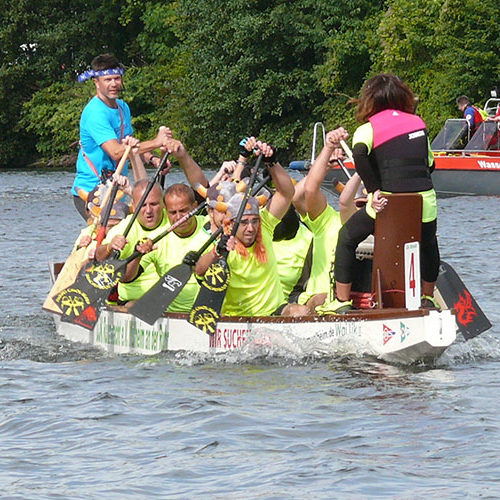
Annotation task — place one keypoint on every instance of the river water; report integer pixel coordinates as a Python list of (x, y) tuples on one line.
[(77, 423)]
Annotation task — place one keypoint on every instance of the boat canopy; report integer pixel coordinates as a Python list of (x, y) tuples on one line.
[(455, 136), (486, 138)]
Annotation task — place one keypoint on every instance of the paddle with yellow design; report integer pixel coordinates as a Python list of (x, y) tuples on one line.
[(82, 302), (156, 300), (207, 307)]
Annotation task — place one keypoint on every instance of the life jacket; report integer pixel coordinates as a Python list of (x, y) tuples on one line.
[(478, 116), (400, 151)]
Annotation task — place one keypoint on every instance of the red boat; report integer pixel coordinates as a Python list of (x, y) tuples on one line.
[(465, 164)]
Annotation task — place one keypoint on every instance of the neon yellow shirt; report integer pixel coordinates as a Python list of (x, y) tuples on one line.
[(254, 289), (170, 252), (325, 229), (291, 255), (137, 288)]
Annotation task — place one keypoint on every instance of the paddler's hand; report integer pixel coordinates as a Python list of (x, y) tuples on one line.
[(191, 258), (378, 202), (85, 241), (175, 148), (117, 243), (145, 246), (334, 137), (337, 154), (131, 141)]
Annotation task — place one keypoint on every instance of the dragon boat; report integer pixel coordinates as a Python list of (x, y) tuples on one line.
[(388, 323)]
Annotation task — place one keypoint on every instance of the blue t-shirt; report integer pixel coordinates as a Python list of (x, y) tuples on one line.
[(99, 123)]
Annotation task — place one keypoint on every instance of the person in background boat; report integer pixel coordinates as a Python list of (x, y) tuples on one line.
[(104, 124), (254, 288), (150, 222), (171, 250), (322, 219), (471, 113), (392, 155)]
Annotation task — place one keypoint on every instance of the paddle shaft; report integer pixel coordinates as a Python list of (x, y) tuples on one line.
[(109, 198), (148, 189), (246, 196)]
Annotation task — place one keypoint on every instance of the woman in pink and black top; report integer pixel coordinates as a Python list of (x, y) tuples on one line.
[(392, 155)]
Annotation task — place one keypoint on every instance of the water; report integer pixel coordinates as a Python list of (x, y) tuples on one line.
[(77, 423)]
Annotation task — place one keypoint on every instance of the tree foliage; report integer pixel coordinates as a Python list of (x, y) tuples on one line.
[(216, 71)]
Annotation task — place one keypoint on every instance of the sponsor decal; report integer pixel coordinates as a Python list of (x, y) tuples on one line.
[(466, 312), (87, 318), (217, 277), (230, 338), (387, 333), (405, 331), (72, 301), (127, 334), (204, 318), (170, 283), (102, 276), (488, 164)]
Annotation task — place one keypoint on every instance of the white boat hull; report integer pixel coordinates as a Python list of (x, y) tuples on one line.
[(396, 336)]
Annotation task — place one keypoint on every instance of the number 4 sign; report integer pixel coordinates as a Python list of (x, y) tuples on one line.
[(412, 275)]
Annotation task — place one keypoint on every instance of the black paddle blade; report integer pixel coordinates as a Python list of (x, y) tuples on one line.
[(153, 303), (82, 302), (208, 304), (471, 320)]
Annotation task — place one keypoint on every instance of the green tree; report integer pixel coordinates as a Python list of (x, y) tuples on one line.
[(256, 72), (442, 49), (43, 43)]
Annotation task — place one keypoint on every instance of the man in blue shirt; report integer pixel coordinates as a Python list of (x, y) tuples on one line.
[(104, 123), (471, 114)]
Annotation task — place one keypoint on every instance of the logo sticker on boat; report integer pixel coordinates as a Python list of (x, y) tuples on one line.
[(387, 333), (405, 331), (103, 276)]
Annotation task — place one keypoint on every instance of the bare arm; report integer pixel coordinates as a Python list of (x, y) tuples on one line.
[(346, 199), (281, 199), (204, 262), (192, 170), (299, 198), (315, 200)]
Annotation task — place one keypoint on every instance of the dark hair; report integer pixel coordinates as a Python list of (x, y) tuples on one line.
[(288, 226), (384, 91), (105, 61), (180, 190), (463, 99)]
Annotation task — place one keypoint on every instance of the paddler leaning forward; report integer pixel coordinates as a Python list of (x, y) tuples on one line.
[(150, 222), (171, 249), (254, 287)]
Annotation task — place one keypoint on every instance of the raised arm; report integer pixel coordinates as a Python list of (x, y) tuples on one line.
[(281, 199), (315, 200), (191, 169), (346, 200)]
